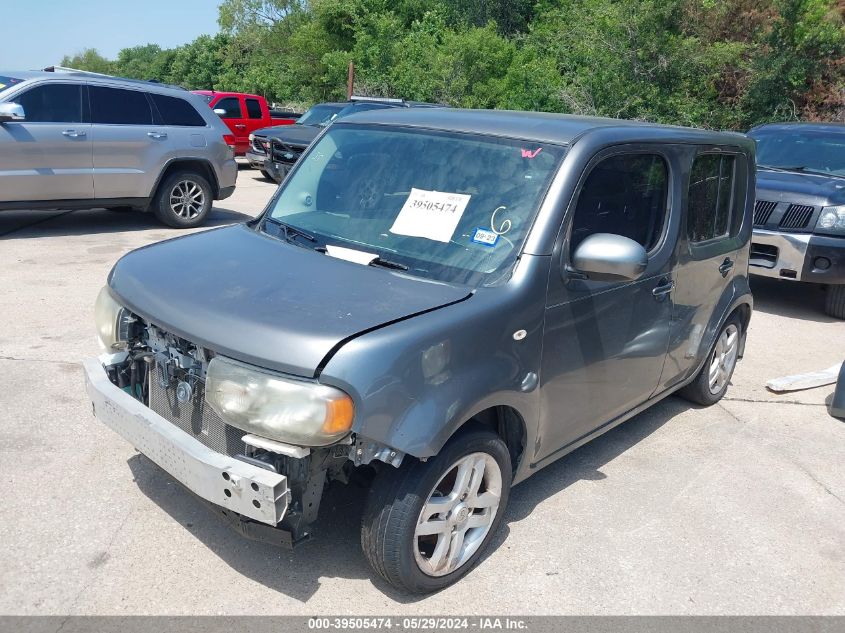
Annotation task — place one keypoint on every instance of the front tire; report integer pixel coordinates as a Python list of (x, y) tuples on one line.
[(712, 381), (834, 304), (183, 200), (266, 174), (426, 524)]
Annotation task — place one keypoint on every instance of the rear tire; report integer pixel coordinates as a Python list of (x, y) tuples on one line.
[(426, 524), (712, 381), (834, 304), (183, 200)]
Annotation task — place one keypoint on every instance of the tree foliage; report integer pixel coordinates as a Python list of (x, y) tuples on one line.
[(710, 63)]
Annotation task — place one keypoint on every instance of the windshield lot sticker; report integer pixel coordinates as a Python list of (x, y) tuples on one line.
[(433, 215), (485, 237)]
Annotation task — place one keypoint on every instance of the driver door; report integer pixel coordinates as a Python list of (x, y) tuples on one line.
[(48, 156), (605, 342)]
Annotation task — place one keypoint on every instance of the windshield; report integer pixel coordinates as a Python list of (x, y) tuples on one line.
[(452, 207), (8, 82), (319, 115), (816, 151)]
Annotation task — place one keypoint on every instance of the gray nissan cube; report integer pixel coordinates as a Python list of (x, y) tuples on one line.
[(435, 303)]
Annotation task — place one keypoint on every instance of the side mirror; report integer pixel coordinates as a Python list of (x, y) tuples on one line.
[(220, 111), (11, 112), (609, 257)]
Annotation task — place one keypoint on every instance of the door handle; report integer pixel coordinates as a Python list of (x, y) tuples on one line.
[(666, 286), (725, 266), (157, 134), (240, 126), (74, 133)]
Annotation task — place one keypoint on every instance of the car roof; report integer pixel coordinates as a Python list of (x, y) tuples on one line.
[(82, 76), (801, 125), (563, 129)]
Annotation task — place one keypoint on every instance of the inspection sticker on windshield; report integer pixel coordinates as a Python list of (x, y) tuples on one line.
[(433, 215), (486, 237)]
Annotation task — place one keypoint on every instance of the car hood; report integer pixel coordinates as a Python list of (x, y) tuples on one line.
[(263, 301), (299, 135), (826, 190)]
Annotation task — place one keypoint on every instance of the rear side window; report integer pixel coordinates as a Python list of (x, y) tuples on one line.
[(710, 199), (253, 108), (52, 103), (624, 195), (231, 106), (176, 111), (120, 107)]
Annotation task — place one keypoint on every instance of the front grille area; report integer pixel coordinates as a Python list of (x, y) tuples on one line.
[(763, 211), (763, 255), (283, 153), (797, 216), (259, 145), (196, 418)]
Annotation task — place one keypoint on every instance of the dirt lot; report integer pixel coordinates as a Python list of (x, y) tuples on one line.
[(739, 508)]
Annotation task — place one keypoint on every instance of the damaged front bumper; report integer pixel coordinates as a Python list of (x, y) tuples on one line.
[(234, 485)]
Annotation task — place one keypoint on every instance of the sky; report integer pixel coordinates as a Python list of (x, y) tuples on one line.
[(38, 33)]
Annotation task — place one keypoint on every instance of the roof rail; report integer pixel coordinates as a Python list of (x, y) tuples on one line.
[(89, 73), (380, 99)]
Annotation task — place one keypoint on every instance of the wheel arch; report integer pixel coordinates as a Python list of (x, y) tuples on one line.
[(507, 422), (200, 165)]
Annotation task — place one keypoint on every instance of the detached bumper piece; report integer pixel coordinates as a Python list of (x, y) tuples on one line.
[(253, 493)]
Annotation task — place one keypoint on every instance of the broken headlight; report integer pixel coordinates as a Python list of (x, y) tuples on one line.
[(275, 407), (115, 324)]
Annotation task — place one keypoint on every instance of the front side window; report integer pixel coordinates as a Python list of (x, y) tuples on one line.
[(176, 111), (115, 106), (253, 108), (52, 103), (447, 206), (231, 107), (710, 198), (624, 195)]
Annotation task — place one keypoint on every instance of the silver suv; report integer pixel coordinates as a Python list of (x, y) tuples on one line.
[(70, 139)]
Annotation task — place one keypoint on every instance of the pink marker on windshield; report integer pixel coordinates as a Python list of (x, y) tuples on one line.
[(527, 153)]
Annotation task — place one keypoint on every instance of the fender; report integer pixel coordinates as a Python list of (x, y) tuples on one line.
[(416, 382), (214, 182)]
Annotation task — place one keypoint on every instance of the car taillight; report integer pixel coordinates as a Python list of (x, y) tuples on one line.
[(229, 139)]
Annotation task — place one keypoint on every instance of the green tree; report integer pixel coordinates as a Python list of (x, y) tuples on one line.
[(88, 59)]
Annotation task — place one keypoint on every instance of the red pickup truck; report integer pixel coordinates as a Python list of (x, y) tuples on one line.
[(244, 113)]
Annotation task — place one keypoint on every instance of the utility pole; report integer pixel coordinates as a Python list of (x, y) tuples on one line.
[(350, 80)]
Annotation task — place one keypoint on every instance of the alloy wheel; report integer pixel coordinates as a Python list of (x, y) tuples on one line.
[(187, 199), (724, 359), (458, 514)]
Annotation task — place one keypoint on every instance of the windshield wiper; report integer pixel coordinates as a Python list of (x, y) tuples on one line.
[(386, 263), (291, 231)]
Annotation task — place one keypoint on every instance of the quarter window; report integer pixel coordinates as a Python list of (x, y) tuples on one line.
[(176, 111), (624, 195), (232, 108), (253, 108), (115, 106), (52, 103), (710, 197)]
